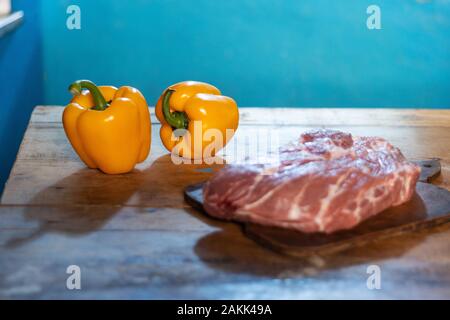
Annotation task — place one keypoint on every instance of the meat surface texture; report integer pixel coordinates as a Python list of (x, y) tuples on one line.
[(324, 182)]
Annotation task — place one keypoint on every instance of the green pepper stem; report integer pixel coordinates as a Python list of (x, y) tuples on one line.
[(77, 87), (177, 120)]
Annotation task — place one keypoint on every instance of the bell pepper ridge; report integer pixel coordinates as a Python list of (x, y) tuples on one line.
[(177, 120), (77, 87)]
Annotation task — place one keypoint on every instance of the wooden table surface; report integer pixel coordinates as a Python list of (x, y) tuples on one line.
[(133, 236)]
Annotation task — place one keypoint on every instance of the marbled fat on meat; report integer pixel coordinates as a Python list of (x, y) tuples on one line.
[(325, 182)]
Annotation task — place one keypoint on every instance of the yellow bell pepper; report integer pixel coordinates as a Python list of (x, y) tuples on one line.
[(202, 113), (109, 128)]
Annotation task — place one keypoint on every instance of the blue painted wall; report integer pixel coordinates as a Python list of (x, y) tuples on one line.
[(262, 52), (21, 82)]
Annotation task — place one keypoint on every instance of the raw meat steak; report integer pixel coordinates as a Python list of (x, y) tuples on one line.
[(325, 182)]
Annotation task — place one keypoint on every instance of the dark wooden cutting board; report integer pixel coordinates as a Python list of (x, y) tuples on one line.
[(429, 207)]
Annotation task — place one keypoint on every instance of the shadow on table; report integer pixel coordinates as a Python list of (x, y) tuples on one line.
[(156, 184), (85, 201), (231, 251), (388, 235), (74, 217)]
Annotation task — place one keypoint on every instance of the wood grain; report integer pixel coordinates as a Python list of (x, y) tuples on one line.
[(134, 237)]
